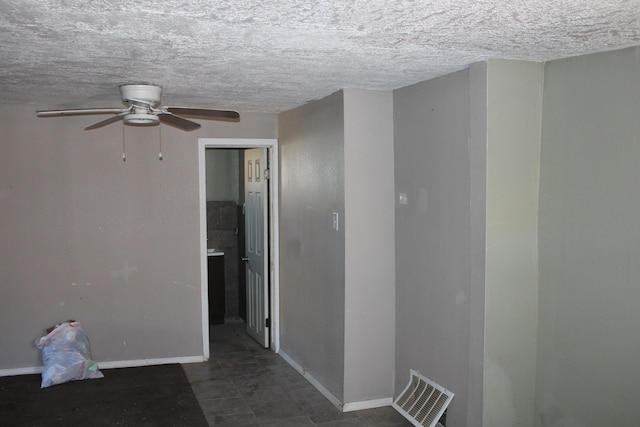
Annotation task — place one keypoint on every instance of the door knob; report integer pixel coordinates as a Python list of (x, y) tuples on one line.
[(244, 258)]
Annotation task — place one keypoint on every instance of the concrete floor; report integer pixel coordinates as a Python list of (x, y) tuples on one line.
[(246, 385)]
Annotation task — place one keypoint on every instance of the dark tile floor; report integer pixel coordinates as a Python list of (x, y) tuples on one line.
[(246, 385)]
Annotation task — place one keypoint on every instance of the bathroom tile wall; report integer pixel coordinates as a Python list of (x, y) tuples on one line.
[(222, 234)]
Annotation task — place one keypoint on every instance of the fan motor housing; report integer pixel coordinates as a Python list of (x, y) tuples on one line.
[(144, 92)]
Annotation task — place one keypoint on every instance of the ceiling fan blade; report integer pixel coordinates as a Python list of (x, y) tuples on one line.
[(205, 112), (178, 122), (78, 112), (107, 121)]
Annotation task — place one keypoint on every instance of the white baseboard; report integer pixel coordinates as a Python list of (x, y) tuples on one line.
[(314, 382), (149, 362), (344, 407), (367, 404), (20, 371), (111, 364)]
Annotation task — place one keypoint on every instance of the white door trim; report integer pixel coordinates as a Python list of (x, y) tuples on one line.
[(274, 247)]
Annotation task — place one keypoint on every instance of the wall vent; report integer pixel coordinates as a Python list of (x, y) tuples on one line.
[(422, 401)]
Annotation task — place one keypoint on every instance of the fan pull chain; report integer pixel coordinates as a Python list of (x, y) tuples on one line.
[(124, 155), (160, 142)]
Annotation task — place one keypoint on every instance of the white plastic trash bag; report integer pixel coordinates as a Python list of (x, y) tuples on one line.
[(66, 355)]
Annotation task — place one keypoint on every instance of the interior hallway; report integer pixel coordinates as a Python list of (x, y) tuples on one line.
[(246, 385)]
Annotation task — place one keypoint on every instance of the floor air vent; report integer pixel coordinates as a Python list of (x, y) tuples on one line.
[(422, 401)]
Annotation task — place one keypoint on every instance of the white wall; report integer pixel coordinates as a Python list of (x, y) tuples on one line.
[(588, 347), (112, 244), (511, 287), (369, 339)]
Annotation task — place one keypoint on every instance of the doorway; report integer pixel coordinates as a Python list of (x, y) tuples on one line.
[(270, 246)]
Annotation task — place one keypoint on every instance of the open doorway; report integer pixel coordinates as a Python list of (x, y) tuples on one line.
[(263, 292)]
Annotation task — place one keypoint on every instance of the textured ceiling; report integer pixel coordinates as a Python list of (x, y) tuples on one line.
[(273, 55)]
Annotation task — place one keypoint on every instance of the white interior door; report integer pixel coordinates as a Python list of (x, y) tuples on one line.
[(256, 258)]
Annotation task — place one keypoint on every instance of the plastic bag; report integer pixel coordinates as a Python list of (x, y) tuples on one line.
[(66, 355)]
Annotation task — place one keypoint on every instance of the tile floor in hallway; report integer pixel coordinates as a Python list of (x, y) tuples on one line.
[(244, 384)]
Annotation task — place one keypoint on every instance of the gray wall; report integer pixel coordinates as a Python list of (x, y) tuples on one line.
[(433, 235), (337, 287), (223, 174), (369, 246), (511, 287), (312, 255), (112, 244), (478, 98), (588, 346)]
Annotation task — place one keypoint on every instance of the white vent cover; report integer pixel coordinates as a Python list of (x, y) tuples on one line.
[(422, 401)]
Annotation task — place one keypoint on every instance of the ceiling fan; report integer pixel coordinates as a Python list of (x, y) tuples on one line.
[(143, 108)]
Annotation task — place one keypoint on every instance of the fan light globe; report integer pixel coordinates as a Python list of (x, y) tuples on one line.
[(141, 119)]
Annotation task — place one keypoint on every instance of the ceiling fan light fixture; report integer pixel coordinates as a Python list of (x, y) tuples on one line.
[(143, 109), (142, 119)]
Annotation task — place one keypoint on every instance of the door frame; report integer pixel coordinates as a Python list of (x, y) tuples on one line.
[(274, 247)]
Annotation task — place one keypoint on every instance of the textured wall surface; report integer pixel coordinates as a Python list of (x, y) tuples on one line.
[(261, 55)]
